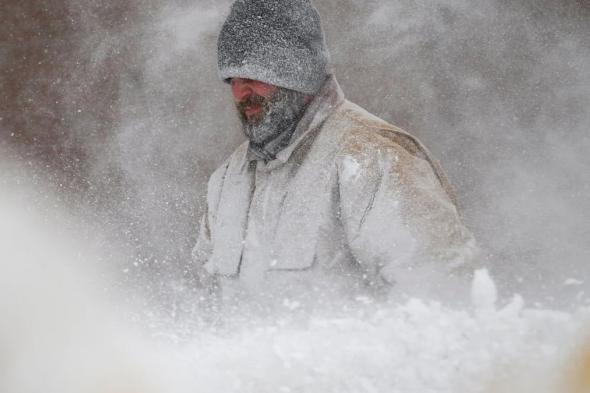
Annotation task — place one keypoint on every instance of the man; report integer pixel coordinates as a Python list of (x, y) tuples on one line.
[(324, 202)]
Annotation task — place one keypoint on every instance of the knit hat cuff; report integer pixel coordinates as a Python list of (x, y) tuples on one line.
[(308, 85)]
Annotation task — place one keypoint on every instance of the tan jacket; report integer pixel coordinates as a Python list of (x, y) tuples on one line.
[(352, 206)]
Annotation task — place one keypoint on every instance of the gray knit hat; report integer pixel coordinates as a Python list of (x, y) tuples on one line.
[(279, 42)]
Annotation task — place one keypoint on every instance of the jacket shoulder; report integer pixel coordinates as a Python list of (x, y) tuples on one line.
[(367, 133), (367, 137)]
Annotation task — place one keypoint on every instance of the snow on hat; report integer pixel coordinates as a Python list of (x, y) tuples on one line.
[(279, 42)]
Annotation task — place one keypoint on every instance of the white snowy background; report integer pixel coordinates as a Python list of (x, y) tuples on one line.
[(112, 118)]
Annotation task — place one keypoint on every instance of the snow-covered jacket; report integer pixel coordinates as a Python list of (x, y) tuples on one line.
[(352, 206)]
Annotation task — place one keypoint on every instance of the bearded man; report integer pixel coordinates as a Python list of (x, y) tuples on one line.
[(324, 201)]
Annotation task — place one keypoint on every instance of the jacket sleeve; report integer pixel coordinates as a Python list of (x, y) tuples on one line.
[(400, 224), (203, 248), (204, 282)]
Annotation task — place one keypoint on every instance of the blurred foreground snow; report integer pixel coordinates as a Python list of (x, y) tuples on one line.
[(60, 333)]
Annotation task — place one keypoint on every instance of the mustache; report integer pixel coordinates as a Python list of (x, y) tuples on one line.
[(254, 100)]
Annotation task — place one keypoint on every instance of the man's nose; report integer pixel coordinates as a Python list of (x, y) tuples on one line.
[(240, 89)]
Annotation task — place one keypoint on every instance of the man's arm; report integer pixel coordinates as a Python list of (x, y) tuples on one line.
[(400, 223), (201, 254), (203, 248), (205, 284)]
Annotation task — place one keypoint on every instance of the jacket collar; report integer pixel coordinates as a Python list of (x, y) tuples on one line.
[(322, 106)]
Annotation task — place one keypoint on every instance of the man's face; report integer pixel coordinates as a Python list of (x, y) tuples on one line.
[(266, 110), (252, 98)]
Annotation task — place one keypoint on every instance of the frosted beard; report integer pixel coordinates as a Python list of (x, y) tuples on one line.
[(271, 131)]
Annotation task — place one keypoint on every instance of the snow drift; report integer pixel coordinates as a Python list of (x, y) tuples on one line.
[(61, 332)]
